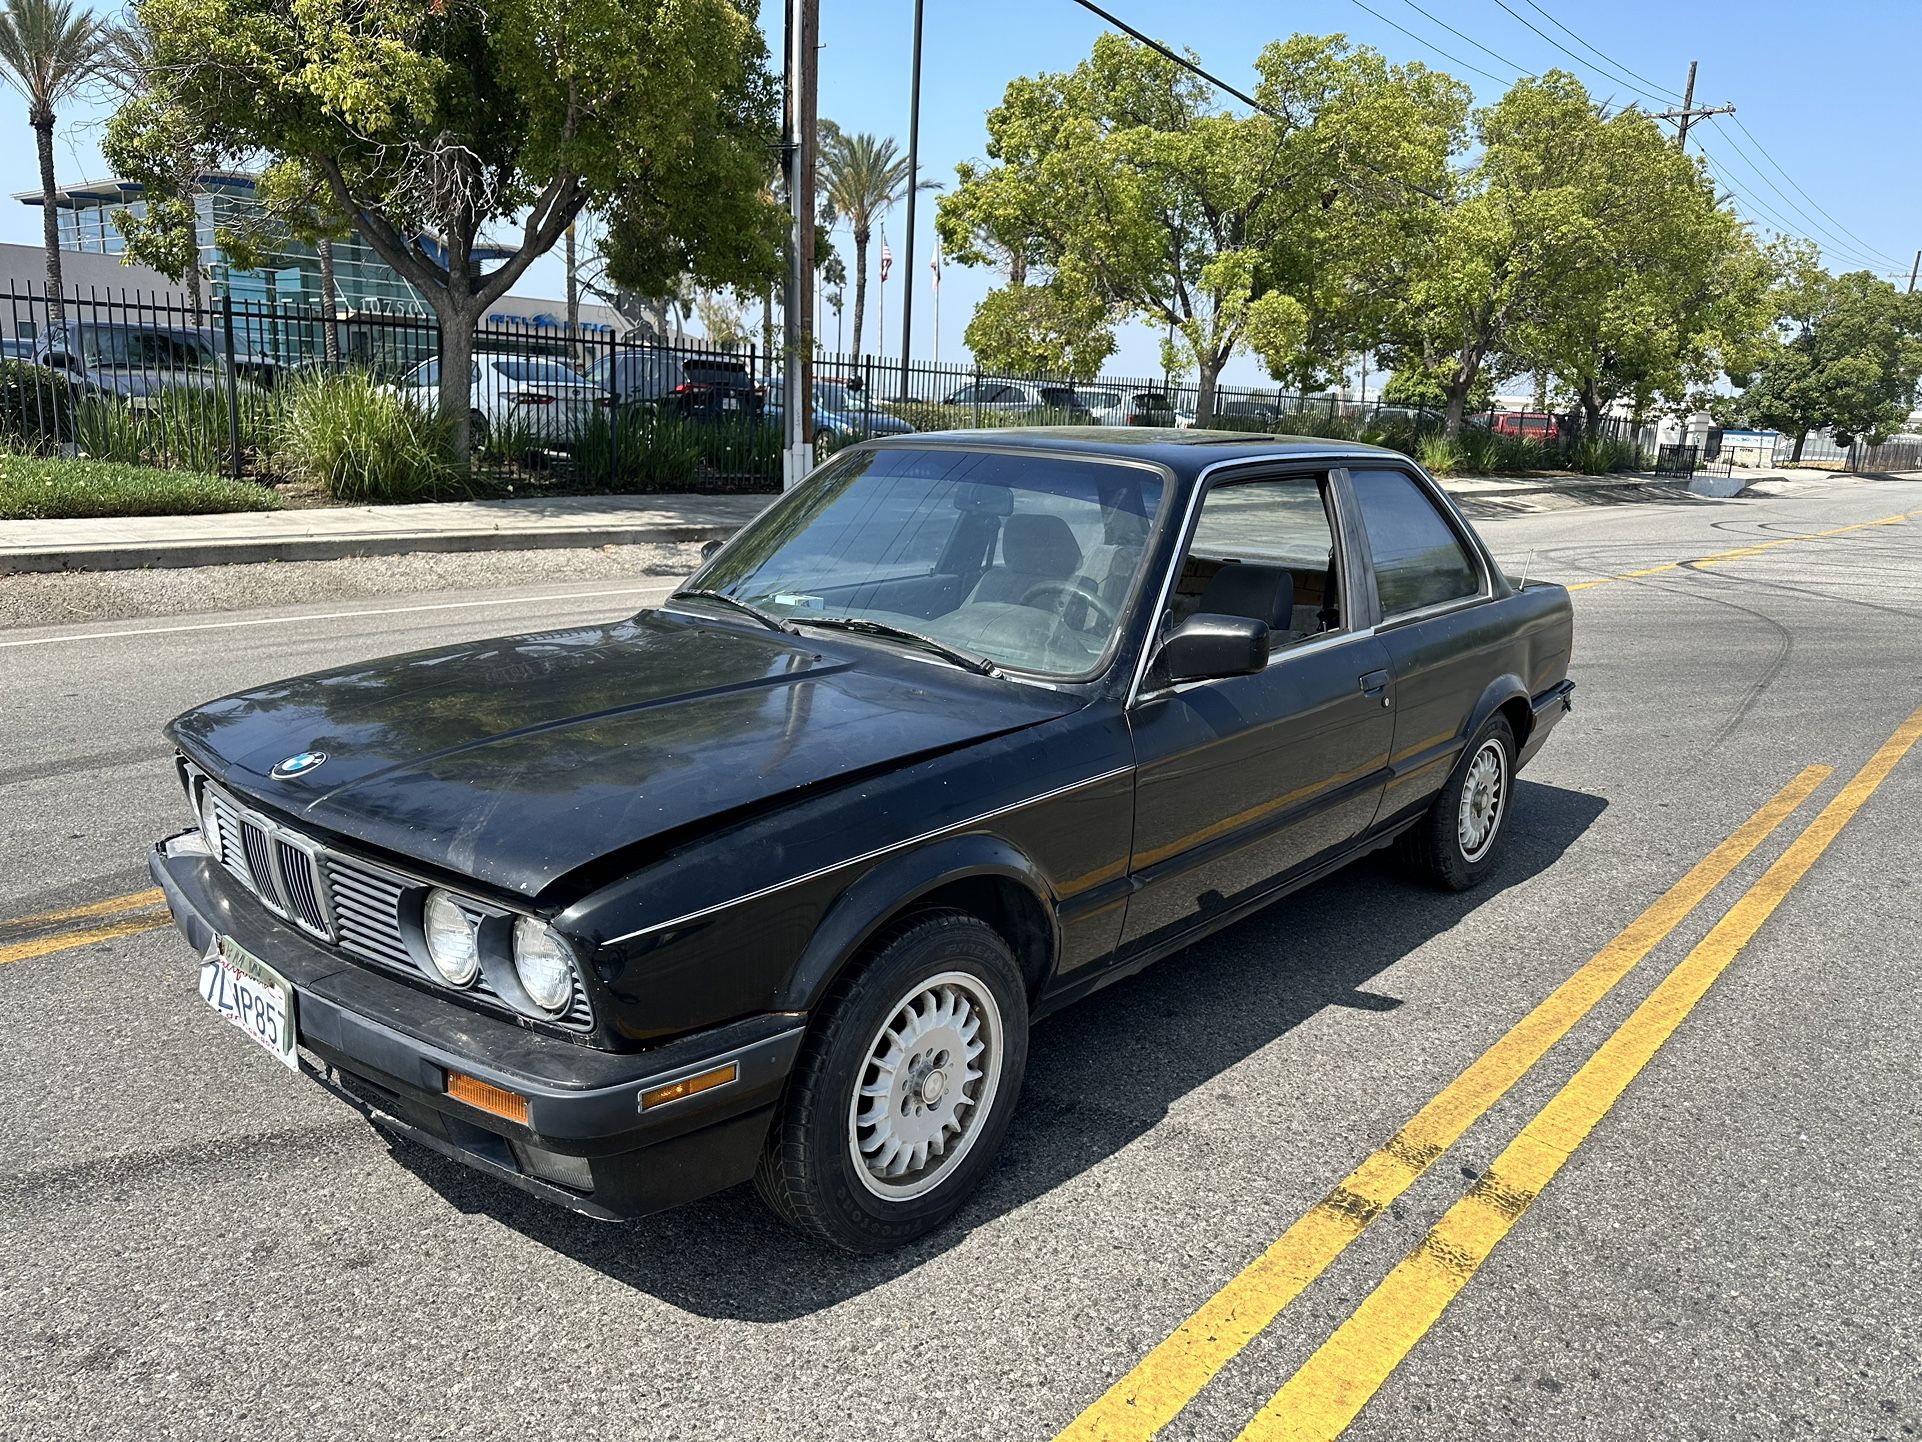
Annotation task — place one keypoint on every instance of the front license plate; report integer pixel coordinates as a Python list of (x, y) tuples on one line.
[(730, 403), (251, 995)]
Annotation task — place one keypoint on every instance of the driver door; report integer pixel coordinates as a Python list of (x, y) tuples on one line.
[(1245, 781)]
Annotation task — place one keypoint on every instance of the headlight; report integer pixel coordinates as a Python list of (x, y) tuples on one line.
[(452, 943), (544, 963), (209, 823)]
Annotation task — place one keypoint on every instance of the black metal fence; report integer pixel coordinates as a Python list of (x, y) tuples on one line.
[(285, 392)]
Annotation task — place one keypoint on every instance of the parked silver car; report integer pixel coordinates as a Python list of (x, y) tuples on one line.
[(540, 397)]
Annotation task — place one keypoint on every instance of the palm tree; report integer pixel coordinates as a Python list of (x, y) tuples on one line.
[(48, 50), (862, 176)]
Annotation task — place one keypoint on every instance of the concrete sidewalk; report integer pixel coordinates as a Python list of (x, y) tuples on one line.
[(328, 533)]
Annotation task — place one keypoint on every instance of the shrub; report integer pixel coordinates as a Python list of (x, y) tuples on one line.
[(364, 444), (46, 487), (184, 426), (1439, 455), (1599, 455), (637, 449), (36, 406)]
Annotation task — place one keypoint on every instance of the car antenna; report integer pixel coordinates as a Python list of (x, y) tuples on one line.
[(1527, 561)]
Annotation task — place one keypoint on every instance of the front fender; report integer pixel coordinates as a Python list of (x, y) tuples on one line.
[(892, 888)]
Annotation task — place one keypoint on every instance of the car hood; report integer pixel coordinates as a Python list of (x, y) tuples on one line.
[(516, 761)]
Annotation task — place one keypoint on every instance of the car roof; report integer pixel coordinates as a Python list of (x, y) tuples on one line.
[(1185, 452)]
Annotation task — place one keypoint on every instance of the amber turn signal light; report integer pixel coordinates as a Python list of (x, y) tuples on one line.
[(498, 1101), (687, 1086)]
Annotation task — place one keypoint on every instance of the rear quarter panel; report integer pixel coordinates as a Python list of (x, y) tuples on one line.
[(1451, 672)]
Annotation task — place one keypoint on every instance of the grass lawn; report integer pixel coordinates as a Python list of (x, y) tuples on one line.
[(39, 488)]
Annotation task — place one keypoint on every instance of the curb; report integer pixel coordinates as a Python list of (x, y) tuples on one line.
[(184, 554)]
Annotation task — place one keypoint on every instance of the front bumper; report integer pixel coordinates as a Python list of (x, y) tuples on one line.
[(385, 1048)]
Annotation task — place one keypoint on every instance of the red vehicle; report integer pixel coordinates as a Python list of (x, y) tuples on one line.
[(1530, 425)]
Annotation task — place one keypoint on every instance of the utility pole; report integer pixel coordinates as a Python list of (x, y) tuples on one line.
[(1688, 112), (797, 320), (1912, 271), (914, 184)]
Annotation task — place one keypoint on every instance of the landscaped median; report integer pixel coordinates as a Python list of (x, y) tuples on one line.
[(41, 488)]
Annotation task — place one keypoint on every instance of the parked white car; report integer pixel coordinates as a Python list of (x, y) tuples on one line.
[(540, 397)]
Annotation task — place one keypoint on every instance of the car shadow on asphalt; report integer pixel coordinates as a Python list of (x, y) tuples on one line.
[(1178, 1025)]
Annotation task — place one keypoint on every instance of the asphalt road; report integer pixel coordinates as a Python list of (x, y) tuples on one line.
[(1702, 1223)]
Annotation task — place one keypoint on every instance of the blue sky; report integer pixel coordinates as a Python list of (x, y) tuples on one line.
[(1828, 91)]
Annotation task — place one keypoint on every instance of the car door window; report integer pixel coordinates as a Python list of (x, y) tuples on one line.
[(1264, 549), (1420, 560)]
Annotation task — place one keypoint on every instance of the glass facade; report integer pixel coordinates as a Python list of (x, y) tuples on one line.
[(362, 280)]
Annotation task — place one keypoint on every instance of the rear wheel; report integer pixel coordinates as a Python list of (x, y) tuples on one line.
[(1455, 845), (825, 445), (477, 431), (904, 1088)]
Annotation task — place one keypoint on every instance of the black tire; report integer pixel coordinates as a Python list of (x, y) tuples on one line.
[(477, 431), (1435, 847), (825, 445), (808, 1172)]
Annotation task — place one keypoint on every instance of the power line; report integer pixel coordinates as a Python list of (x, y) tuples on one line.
[(1614, 64), (1246, 99), (1832, 243), (1814, 225), (1658, 99), (1768, 214), (1811, 199), (1452, 31)]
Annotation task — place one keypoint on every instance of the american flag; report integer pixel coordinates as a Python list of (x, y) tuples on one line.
[(887, 258)]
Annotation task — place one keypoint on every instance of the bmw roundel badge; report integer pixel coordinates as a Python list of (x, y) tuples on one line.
[(298, 765)]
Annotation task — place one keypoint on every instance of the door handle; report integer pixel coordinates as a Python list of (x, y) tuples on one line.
[(1375, 683)]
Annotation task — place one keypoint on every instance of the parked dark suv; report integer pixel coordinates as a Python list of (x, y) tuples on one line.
[(698, 385)]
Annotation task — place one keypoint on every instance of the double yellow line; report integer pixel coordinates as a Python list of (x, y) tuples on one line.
[(1334, 1384), (1739, 552), (24, 937)]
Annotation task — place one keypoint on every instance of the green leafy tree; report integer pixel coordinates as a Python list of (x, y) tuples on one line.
[(1657, 294), (1418, 383), (427, 124), (861, 178), (1528, 233), (1848, 361), (1041, 330), (1125, 183), (48, 50)]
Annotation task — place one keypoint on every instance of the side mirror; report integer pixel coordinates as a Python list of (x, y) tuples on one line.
[(708, 548), (1205, 647)]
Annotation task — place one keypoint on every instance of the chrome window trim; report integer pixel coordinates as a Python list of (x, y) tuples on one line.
[(867, 856), (1465, 537), (1329, 459)]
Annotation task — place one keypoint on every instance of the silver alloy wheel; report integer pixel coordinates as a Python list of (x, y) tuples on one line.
[(1484, 794), (927, 1085)]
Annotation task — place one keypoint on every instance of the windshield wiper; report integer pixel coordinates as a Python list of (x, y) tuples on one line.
[(968, 660), (766, 618)]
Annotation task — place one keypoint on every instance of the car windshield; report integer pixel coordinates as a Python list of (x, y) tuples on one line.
[(1026, 560), (831, 396)]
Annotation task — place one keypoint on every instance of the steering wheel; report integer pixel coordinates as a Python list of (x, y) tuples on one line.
[(1076, 591)]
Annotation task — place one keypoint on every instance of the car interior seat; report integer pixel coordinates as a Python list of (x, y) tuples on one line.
[(1035, 548)]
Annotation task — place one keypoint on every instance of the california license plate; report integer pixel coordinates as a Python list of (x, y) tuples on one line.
[(251, 995)]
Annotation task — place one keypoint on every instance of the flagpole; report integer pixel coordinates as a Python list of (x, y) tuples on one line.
[(914, 185), (881, 295), (935, 266)]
